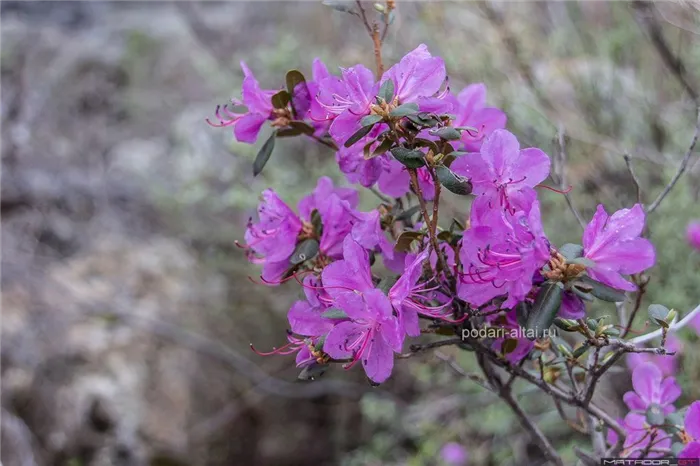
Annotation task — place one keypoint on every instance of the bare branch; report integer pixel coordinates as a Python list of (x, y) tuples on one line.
[(681, 168)]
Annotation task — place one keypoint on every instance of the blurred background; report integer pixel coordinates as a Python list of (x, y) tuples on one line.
[(126, 308)]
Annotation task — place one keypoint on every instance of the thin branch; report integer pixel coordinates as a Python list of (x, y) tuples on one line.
[(646, 18), (459, 370), (681, 168), (538, 436), (672, 328), (635, 180), (561, 173), (363, 15)]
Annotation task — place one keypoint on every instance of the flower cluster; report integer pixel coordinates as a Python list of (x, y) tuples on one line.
[(409, 135), (652, 422)]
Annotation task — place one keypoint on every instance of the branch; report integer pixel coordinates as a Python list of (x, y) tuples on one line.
[(561, 168), (672, 328), (646, 18), (635, 180), (681, 168)]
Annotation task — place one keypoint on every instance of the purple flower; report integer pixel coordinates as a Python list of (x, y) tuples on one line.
[(356, 167), (417, 77), (336, 208), (613, 243), (406, 294), (346, 100), (500, 256), (272, 240), (305, 101), (454, 454), (652, 390), (368, 232), (246, 126), (470, 109), (502, 173), (668, 365), (639, 437), (693, 234), (692, 431)]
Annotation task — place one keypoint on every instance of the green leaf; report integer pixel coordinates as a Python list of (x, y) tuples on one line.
[(453, 182), (571, 251), (334, 313), (410, 158), (264, 154), (383, 147), (317, 222), (448, 133), (296, 128), (405, 110), (601, 291), (582, 292), (659, 314), (370, 120), (522, 312), (422, 122), (655, 415), (545, 309), (304, 251), (568, 325), (362, 132), (456, 225), (403, 243), (581, 350), (281, 99), (386, 91), (313, 371), (293, 79)]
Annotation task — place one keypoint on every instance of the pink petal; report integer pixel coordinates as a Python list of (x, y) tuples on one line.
[(634, 402), (500, 149), (631, 256), (692, 451), (611, 278), (340, 337), (595, 227), (670, 391), (477, 169), (646, 380), (247, 128), (572, 307), (378, 360), (345, 125), (531, 164), (692, 420), (471, 99)]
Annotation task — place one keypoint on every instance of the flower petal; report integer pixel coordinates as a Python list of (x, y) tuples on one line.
[(646, 380), (692, 420), (247, 128), (378, 359)]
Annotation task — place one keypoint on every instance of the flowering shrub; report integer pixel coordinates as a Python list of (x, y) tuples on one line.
[(407, 136)]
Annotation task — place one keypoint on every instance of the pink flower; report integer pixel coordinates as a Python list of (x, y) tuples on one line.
[(470, 109), (346, 100), (500, 255), (272, 240), (502, 175), (454, 454), (692, 429), (509, 322), (417, 77), (246, 126), (652, 390), (614, 244), (693, 234)]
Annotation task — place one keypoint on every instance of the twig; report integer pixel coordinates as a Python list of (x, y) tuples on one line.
[(376, 40), (427, 346), (381, 196), (560, 169), (642, 285), (363, 15), (547, 448), (630, 169), (459, 370), (442, 265), (671, 328), (681, 168), (648, 20)]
